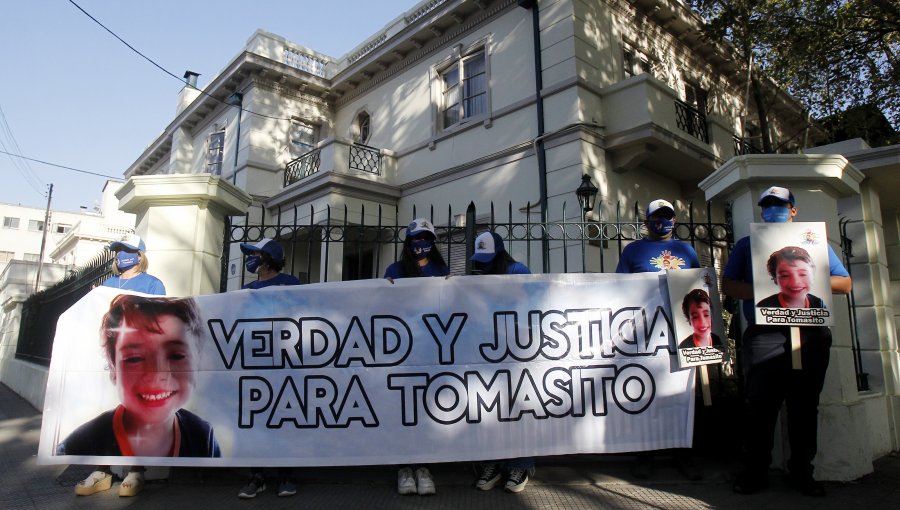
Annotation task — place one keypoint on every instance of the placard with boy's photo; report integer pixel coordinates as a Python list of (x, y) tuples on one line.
[(791, 281), (696, 316)]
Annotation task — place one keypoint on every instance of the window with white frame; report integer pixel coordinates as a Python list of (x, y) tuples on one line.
[(35, 225), (464, 88), (215, 147), (634, 61), (62, 228), (10, 222), (303, 137), (6, 256)]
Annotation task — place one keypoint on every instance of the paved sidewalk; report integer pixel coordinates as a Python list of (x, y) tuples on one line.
[(565, 482)]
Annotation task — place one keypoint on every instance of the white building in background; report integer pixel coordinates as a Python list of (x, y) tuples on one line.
[(73, 238)]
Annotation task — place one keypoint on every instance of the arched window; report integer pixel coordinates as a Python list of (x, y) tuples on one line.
[(363, 127)]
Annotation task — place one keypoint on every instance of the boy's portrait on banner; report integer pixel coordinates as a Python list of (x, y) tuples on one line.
[(696, 316), (790, 273), (150, 347)]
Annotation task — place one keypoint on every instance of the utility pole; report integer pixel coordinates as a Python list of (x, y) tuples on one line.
[(37, 280)]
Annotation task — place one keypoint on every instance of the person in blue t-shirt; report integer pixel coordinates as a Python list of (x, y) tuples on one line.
[(770, 378), (129, 269), (491, 258), (419, 258), (658, 251), (266, 259)]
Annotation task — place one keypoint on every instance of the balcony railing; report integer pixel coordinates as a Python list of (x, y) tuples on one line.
[(743, 146), (365, 159), (691, 120), (341, 156), (304, 166)]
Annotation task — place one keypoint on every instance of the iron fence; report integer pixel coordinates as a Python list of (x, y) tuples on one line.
[(41, 310), (301, 167), (365, 159)]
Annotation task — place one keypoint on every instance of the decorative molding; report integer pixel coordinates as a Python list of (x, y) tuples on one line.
[(286, 90), (425, 50), (422, 11), (371, 45)]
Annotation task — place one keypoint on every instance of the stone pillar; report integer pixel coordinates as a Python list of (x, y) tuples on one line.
[(182, 220), (817, 181)]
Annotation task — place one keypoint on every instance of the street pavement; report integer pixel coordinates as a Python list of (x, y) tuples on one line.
[(562, 482)]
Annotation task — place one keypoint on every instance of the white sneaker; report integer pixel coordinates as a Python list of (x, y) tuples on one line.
[(406, 484), (424, 482)]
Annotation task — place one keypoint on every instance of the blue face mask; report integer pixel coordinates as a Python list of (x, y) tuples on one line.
[(126, 260), (776, 214), (662, 227), (420, 248), (252, 263)]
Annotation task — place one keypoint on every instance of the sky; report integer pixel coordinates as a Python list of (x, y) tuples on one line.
[(73, 95)]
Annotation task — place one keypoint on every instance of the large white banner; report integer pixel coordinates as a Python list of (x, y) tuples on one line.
[(369, 372)]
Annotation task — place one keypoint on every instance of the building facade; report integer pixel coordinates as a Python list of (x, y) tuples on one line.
[(505, 102)]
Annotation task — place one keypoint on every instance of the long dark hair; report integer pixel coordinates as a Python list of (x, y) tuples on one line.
[(499, 265), (410, 265)]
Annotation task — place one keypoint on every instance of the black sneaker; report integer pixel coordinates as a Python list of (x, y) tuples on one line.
[(749, 483), (518, 479), (806, 485), (490, 475), (255, 485), (286, 488)]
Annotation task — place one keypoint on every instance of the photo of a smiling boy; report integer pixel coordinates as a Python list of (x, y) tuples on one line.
[(793, 270), (151, 347)]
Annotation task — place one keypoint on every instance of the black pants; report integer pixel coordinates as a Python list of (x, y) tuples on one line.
[(771, 381)]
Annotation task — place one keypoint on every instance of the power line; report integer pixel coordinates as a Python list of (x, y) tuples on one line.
[(163, 69), (27, 172), (60, 166)]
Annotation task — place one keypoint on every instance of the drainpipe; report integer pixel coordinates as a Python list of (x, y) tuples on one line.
[(539, 143)]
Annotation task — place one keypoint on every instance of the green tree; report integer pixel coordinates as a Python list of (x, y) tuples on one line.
[(832, 55)]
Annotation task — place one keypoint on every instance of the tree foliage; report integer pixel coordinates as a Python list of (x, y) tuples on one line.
[(832, 55)]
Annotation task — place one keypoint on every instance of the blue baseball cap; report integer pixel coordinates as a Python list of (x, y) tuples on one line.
[(265, 245)]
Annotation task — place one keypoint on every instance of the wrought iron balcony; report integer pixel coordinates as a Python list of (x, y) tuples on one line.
[(341, 157), (304, 166), (691, 120), (743, 146)]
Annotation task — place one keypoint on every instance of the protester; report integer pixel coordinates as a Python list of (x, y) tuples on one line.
[(266, 259), (793, 270), (491, 258), (660, 251), (129, 269), (697, 309), (770, 378), (419, 257)]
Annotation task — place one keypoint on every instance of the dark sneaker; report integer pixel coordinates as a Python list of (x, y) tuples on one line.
[(806, 485), (287, 488), (749, 483), (254, 486), (518, 479), (490, 475)]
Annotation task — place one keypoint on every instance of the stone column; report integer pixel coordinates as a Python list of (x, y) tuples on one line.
[(817, 181), (182, 219)]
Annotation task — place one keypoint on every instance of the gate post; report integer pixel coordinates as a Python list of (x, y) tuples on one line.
[(181, 217)]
